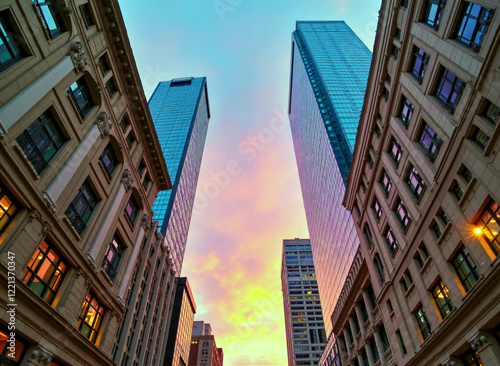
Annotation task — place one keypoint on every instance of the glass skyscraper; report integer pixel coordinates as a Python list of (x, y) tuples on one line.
[(180, 112), (328, 79)]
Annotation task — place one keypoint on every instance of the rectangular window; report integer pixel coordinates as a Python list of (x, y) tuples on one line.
[(479, 137), (401, 342), (397, 34), (141, 167), (81, 208), (370, 161), (368, 235), (432, 12), (108, 160), (430, 142), (377, 208), (490, 111), (472, 358), (418, 64), (130, 139), (87, 14), (132, 210), (403, 215), (392, 244), (113, 256), (386, 183), (458, 191), (437, 230), (90, 319), (449, 89), (489, 224), (50, 13), (394, 52), (422, 322), (146, 181), (45, 272), (125, 123), (385, 93), (11, 48), (396, 151), (7, 357), (9, 207), (474, 25), (404, 4), (442, 298), (465, 267), (466, 174), (444, 217), (406, 111), (388, 79), (415, 182), (79, 93), (111, 86), (377, 130)]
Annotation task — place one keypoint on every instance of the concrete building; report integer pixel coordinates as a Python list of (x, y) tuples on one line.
[(305, 330), (329, 71), (181, 113), (424, 190), (79, 171), (204, 351)]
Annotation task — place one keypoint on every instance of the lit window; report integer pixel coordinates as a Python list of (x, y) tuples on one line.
[(491, 112), (108, 160), (406, 111), (479, 137), (45, 272), (442, 298), (418, 64), (432, 13), (489, 223), (449, 89), (415, 182), (474, 25), (403, 215), (7, 357), (50, 13), (472, 358), (112, 259), (396, 151), (11, 49), (430, 142), (90, 319), (392, 244), (386, 183), (132, 210), (423, 323), (8, 207), (82, 207), (466, 268), (79, 93), (377, 208)]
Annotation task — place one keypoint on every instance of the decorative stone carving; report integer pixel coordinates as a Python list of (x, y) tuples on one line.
[(127, 180), (90, 260), (452, 361), (479, 341), (78, 57), (49, 202), (158, 235), (88, 281), (41, 355), (146, 222), (104, 124)]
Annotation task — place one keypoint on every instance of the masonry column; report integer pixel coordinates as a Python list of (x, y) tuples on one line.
[(361, 320), (379, 345), (361, 360), (488, 349), (353, 327), (368, 304), (347, 337), (369, 354), (342, 346)]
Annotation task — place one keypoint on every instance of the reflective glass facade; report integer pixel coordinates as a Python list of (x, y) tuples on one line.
[(180, 113), (329, 73)]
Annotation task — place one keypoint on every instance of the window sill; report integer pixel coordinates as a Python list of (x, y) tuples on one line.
[(26, 161), (70, 225), (410, 290), (445, 232), (105, 275)]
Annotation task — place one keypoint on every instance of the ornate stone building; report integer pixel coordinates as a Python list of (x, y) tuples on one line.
[(424, 190), (80, 167)]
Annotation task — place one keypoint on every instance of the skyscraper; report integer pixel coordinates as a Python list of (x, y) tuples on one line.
[(329, 72), (305, 330), (180, 112)]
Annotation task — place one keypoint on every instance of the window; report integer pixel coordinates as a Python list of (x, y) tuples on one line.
[(146, 181), (379, 267), (388, 78), (41, 141), (415, 182), (363, 186), (377, 130), (394, 52), (141, 167), (422, 322), (449, 89), (466, 174), (430, 142), (404, 4), (112, 259), (385, 340), (396, 151), (389, 307), (386, 183), (79, 93), (132, 210), (403, 215), (377, 208), (45, 272), (432, 12), (471, 358), (125, 123), (111, 86), (465, 267), (397, 34), (479, 137), (11, 49), (8, 207), (385, 93), (8, 358), (50, 13), (406, 111), (422, 255), (87, 15), (442, 298), (90, 319), (437, 230), (392, 244), (489, 223), (103, 61), (474, 25), (82, 207), (108, 160), (130, 139), (401, 342), (444, 217), (491, 112), (407, 280), (370, 161), (458, 191), (418, 64)]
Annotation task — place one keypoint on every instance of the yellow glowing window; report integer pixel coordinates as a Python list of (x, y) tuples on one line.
[(294, 297), (299, 319), (90, 319), (315, 297), (8, 208), (309, 292), (5, 354), (194, 342), (308, 297)]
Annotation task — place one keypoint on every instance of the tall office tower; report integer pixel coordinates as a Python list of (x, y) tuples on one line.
[(180, 112), (305, 330), (204, 351), (329, 70), (429, 222)]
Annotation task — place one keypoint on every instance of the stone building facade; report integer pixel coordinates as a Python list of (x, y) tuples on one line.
[(80, 167), (424, 190), (204, 351)]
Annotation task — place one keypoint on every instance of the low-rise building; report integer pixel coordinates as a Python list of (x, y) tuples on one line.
[(204, 351)]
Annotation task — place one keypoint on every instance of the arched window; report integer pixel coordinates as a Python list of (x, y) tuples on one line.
[(368, 235), (379, 267)]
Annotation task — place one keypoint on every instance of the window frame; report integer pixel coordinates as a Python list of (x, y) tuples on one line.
[(78, 222), (55, 13), (409, 107), (396, 156), (83, 89), (422, 322), (14, 203), (136, 209), (404, 220), (111, 265), (418, 189), (444, 306), (392, 243), (433, 23), (419, 63), (110, 153), (463, 274), (378, 210), (435, 143), (482, 20), (494, 242), (385, 182), (87, 15), (93, 335), (12, 39), (448, 80)]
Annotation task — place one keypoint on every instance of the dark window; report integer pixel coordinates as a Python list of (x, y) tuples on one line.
[(489, 223), (125, 122), (394, 52), (479, 137), (397, 34), (430, 141), (401, 342), (111, 86), (132, 210), (403, 215), (112, 259), (385, 340), (377, 208), (388, 79), (146, 182), (472, 358), (466, 268), (45, 272), (79, 92), (444, 217), (418, 64), (442, 298), (370, 160), (491, 112), (396, 151), (458, 191), (363, 185), (466, 174), (423, 323), (7, 357), (51, 17), (141, 167), (437, 229), (82, 207), (385, 93), (8, 207), (474, 25), (406, 111), (87, 14), (379, 267), (108, 160), (368, 235), (449, 89), (11, 48), (392, 244), (90, 319), (371, 294), (103, 61), (386, 183), (404, 4), (130, 139), (41, 141), (432, 12), (419, 260), (377, 130), (415, 182), (389, 306)]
